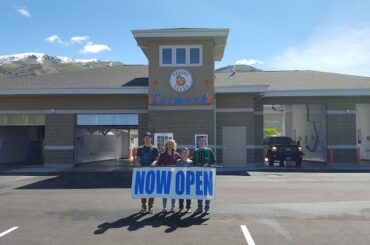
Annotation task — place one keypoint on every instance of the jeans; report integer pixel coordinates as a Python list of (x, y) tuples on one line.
[(150, 202), (164, 200), (181, 203), (207, 203)]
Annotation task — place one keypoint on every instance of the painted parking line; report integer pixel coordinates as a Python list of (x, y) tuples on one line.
[(8, 231), (247, 235)]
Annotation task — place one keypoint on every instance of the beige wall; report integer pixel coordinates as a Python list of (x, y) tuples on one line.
[(183, 124), (234, 101), (59, 135), (159, 76), (232, 117), (184, 121)]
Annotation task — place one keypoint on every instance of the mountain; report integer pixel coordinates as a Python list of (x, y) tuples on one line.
[(34, 58), (237, 68), (42, 58), (35, 64)]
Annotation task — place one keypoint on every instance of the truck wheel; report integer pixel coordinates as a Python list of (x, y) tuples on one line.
[(298, 163)]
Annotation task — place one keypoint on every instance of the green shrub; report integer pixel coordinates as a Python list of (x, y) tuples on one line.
[(270, 131)]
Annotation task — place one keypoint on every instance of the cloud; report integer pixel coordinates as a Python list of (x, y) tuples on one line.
[(339, 49), (79, 39), (24, 12), (94, 48), (54, 39), (73, 40), (249, 62)]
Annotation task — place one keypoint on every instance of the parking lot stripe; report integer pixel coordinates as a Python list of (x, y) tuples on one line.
[(247, 235), (8, 231)]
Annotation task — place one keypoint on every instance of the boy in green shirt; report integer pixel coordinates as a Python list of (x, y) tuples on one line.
[(203, 157)]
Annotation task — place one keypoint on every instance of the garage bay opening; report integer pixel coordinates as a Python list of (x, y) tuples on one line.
[(304, 124), (105, 137), (22, 139)]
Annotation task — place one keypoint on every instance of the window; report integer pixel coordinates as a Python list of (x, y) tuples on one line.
[(188, 55), (107, 119), (194, 56), (180, 56), (160, 139), (197, 137), (167, 56), (22, 120)]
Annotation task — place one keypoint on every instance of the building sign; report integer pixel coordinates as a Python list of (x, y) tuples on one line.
[(174, 182), (159, 99), (181, 80)]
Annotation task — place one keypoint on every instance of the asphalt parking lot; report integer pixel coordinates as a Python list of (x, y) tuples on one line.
[(250, 208)]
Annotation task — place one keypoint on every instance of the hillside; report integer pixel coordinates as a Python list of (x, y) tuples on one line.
[(36, 64)]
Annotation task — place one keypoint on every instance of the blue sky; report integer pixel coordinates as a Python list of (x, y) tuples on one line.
[(272, 35)]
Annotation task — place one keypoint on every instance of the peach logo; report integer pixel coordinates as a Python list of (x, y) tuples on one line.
[(181, 80)]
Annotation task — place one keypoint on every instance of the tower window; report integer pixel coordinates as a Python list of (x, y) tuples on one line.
[(176, 55)]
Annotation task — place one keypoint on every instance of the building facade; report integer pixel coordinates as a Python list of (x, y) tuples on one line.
[(99, 115)]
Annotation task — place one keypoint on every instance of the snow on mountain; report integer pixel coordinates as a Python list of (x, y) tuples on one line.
[(41, 58)]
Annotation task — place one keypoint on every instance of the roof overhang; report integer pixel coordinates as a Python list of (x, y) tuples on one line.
[(74, 91), (317, 93), (241, 89), (217, 35)]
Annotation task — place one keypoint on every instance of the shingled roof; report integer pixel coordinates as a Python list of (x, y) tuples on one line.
[(106, 77), (294, 80), (137, 76)]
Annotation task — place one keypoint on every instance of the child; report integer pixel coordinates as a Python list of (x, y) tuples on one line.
[(184, 162), (168, 158), (203, 157), (146, 156)]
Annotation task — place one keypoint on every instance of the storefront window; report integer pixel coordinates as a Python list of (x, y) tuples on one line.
[(107, 119), (22, 120)]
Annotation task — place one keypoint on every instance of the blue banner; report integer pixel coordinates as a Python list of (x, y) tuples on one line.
[(174, 182)]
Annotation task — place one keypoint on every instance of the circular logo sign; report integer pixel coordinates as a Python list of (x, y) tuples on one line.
[(181, 80)]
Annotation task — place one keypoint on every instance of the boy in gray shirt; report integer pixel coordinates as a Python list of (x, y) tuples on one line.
[(184, 162)]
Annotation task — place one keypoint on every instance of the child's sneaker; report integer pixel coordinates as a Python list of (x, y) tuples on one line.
[(188, 210), (198, 211), (143, 210), (150, 210)]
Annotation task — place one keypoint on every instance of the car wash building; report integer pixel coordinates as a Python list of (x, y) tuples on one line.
[(100, 114)]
